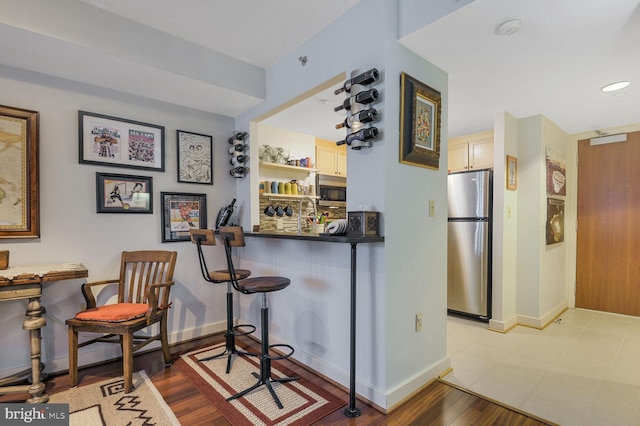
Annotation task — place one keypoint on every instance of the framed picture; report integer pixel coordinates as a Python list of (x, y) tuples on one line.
[(180, 213), (112, 141), (19, 174), (512, 173), (123, 193), (195, 153), (420, 110)]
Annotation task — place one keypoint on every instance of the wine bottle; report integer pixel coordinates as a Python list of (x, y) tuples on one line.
[(366, 116), (239, 172), (225, 214), (239, 147), (238, 160), (360, 135), (365, 97), (240, 136), (366, 77)]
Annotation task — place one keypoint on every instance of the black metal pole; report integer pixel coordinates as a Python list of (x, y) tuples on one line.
[(352, 410)]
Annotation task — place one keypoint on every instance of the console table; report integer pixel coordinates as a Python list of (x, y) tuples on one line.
[(25, 282)]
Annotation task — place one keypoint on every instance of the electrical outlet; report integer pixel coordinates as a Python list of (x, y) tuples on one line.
[(432, 208), (279, 224), (418, 322)]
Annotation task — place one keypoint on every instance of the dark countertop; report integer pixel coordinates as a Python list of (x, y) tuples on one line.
[(316, 237)]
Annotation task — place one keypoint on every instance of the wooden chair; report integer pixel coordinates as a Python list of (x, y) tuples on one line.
[(144, 285), (205, 237)]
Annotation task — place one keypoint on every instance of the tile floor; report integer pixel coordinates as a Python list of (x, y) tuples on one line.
[(581, 370)]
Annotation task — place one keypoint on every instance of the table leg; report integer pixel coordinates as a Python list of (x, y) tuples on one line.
[(33, 324), (352, 410)]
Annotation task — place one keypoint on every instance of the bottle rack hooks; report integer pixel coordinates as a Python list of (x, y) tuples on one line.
[(360, 113), (239, 159)]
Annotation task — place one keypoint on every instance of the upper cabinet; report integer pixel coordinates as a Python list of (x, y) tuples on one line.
[(471, 152), (331, 159)]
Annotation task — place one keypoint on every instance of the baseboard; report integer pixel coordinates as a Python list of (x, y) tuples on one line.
[(528, 321), (404, 391), (546, 319), (503, 326)]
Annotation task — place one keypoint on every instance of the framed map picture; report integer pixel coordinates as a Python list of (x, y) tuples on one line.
[(19, 174)]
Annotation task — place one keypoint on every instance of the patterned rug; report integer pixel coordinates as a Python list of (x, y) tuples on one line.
[(304, 402), (106, 404)]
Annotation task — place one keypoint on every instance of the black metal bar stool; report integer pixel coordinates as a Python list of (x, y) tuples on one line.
[(206, 237), (233, 236)]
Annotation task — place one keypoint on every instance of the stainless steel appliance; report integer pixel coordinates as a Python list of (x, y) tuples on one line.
[(469, 243), (332, 190)]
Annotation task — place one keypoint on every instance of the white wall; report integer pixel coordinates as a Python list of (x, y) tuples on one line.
[(72, 231), (541, 269), (505, 217)]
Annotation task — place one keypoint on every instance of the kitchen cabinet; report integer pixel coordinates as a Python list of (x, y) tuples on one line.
[(471, 152), (331, 159)]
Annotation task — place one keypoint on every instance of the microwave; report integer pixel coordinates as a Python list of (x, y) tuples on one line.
[(332, 190)]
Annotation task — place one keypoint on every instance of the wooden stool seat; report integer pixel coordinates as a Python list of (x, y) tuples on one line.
[(262, 284), (223, 276)]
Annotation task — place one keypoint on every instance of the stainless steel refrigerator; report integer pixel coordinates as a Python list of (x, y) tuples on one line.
[(469, 243)]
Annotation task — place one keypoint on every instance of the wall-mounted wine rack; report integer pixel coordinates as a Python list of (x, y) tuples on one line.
[(239, 160), (360, 113)]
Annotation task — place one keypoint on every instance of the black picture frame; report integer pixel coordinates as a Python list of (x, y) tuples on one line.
[(116, 193), (182, 211), (420, 112), (195, 157), (117, 142)]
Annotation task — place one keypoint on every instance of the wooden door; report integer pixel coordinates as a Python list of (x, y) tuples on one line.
[(608, 240)]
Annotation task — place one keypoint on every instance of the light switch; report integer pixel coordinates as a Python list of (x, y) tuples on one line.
[(432, 208)]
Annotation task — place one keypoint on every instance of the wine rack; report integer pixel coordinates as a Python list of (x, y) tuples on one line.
[(361, 115), (237, 149)]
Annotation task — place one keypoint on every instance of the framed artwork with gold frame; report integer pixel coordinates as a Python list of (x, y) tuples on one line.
[(19, 173), (420, 111), (512, 173)]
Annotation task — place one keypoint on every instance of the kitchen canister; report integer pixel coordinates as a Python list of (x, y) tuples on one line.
[(294, 188), (274, 187), (280, 187), (267, 187), (287, 188)]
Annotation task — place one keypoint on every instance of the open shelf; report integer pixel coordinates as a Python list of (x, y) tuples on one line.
[(277, 166), (288, 196)]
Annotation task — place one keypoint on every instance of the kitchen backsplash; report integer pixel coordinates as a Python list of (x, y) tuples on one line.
[(290, 223)]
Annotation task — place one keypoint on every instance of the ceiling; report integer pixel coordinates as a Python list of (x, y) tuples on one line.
[(563, 53)]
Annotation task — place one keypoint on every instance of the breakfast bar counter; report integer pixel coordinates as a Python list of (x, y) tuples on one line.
[(351, 410)]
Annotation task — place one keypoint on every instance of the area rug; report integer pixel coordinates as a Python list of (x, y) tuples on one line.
[(106, 404), (304, 402)]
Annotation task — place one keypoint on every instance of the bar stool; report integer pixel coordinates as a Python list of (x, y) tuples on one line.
[(233, 236), (206, 237)]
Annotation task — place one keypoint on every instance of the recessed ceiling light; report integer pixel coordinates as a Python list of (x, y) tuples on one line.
[(615, 86), (508, 26)]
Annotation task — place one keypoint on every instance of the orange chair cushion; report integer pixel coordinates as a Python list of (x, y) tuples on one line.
[(117, 312)]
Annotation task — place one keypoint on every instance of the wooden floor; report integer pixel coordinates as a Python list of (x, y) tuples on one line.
[(438, 404)]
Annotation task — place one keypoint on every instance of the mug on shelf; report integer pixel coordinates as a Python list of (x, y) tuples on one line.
[(280, 210)]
